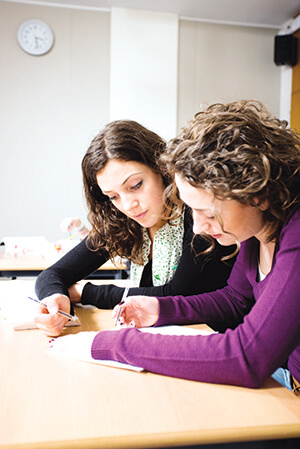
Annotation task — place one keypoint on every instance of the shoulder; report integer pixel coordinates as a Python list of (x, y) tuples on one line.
[(293, 217), (291, 227)]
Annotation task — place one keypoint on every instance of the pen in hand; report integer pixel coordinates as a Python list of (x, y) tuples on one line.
[(125, 293), (60, 312)]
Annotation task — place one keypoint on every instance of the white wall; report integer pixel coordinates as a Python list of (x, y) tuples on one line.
[(144, 60), (222, 63), (52, 106)]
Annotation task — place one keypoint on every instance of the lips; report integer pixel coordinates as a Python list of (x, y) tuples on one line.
[(140, 216), (217, 236)]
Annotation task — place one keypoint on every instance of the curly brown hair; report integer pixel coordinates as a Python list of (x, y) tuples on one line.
[(240, 151), (124, 140)]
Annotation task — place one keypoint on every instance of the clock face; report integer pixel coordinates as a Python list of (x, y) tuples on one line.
[(35, 37)]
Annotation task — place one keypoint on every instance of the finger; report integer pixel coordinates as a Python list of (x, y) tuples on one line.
[(134, 304), (52, 307), (50, 329), (114, 312), (50, 324), (50, 318), (130, 319), (42, 310), (49, 332), (53, 325)]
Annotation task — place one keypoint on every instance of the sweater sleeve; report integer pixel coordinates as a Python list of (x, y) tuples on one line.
[(71, 268), (226, 306), (267, 336), (196, 273)]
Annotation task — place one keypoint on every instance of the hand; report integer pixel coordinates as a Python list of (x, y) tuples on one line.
[(73, 345), (138, 311), (74, 224), (75, 292), (70, 223), (47, 319)]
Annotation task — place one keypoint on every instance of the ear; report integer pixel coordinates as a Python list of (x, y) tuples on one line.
[(264, 205)]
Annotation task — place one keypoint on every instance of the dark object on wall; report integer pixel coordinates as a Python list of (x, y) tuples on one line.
[(285, 50)]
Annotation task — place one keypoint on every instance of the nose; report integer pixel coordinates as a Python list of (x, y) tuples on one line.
[(129, 203), (200, 223)]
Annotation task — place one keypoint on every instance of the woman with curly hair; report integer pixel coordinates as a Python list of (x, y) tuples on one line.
[(238, 169), (126, 189)]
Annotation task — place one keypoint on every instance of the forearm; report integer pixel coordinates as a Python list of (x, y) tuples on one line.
[(246, 356), (47, 284), (194, 358), (101, 296), (223, 307), (74, 266)]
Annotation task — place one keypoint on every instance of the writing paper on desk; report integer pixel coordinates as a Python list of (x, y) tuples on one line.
[(164, 330), (16, 308)]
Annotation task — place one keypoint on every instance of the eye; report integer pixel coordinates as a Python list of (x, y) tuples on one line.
[(137, 186), (204, 214), (112, 198)]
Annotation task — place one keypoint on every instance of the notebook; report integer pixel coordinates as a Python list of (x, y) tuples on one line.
[(77, 353)]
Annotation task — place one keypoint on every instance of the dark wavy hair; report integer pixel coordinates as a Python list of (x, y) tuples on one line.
[(240, 151), (122, 140)]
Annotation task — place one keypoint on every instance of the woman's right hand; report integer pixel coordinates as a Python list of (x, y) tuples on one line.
[(138, 311), (48, 319)]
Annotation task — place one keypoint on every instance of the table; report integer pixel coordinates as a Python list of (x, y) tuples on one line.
[(33, 264), (49, 402)]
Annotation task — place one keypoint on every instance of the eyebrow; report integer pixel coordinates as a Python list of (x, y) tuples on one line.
[(193, 208), (124, 182), (201, 210)]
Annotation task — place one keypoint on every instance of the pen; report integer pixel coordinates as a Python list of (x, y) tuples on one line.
[(67, 315), (71, 236), (125, 293)]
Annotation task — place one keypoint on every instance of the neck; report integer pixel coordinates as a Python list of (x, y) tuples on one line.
[(266, 253), (152, 231)]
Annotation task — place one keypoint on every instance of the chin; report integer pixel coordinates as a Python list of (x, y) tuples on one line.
[(226, 242)]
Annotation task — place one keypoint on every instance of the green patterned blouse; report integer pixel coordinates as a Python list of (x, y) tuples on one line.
[(167, 249)]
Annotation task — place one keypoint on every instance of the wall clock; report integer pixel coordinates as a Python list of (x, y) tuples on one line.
[(35, 37)]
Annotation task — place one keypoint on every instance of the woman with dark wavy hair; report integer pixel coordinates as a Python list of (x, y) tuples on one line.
[(238, 169), (132, 217)]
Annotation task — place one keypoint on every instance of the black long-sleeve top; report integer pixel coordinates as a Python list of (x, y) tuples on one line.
[(194, 273)]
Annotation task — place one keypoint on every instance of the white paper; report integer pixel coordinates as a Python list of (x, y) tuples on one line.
[(164, 330), (16, 308)]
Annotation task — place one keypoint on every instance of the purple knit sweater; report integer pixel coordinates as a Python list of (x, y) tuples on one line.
[(263, 324)]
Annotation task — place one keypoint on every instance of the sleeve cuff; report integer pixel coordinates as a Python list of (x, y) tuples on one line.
[(166, 311), (87, 289), (103, 346)]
